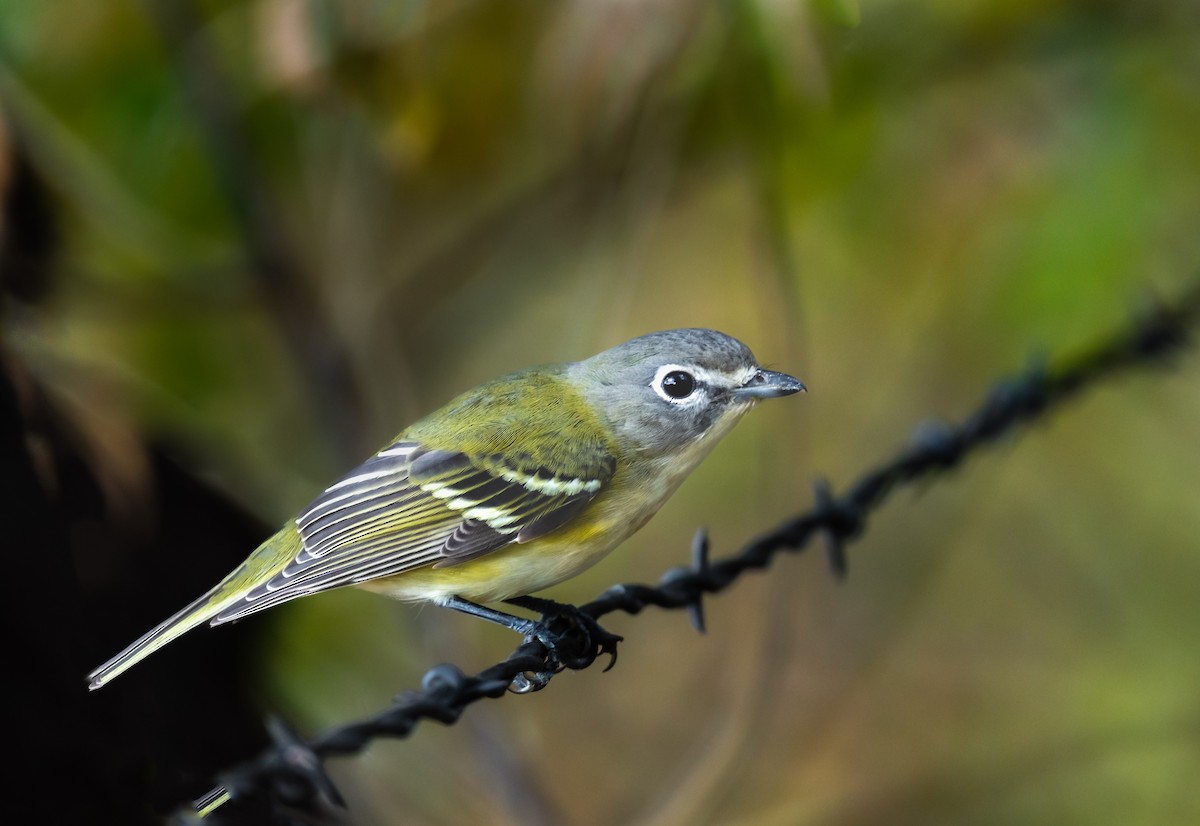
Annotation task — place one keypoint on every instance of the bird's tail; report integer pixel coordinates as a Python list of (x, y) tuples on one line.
[(259, 565), (215, 799)]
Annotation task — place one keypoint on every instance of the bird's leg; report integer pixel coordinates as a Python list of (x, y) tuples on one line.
[(530, 629), (560, 620)]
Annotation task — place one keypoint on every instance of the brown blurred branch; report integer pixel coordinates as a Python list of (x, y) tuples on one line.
[(317, 350)]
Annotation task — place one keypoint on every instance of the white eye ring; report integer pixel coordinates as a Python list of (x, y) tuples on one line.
[(675, 384)]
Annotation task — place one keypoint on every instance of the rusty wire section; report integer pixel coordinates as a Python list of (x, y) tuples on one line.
[(288, 780)]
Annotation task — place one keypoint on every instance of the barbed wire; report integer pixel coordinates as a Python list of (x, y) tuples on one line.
[(289, 778)]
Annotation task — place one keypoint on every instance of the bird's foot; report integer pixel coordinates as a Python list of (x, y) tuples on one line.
[(573, 639)]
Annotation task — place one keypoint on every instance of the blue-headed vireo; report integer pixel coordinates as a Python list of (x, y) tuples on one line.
[(510, 488)]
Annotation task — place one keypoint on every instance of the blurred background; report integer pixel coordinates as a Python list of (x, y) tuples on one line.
[(245, 243)]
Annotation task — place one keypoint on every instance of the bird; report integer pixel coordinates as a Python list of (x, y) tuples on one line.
[(508, 489)]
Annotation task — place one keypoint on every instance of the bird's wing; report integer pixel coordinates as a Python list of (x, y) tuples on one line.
[(410, 506)]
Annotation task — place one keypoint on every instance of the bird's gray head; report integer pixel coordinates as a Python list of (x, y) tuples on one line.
[(664, 390)]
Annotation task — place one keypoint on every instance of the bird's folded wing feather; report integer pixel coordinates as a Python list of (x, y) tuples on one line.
[(409, 507)]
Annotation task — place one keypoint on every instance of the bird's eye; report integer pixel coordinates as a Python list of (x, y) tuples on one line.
[(678, 384)]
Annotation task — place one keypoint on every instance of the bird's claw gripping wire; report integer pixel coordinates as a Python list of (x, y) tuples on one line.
[(573, 639)]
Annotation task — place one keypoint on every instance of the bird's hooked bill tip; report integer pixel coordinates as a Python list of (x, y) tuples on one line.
[(767, 384)]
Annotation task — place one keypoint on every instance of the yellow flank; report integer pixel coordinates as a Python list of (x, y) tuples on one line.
[(631, 498), (520, 569)]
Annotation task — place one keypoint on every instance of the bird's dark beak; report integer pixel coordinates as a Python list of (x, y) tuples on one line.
[(767, 384)]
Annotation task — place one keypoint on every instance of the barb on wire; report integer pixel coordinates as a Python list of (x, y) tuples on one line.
[(290, 774)]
